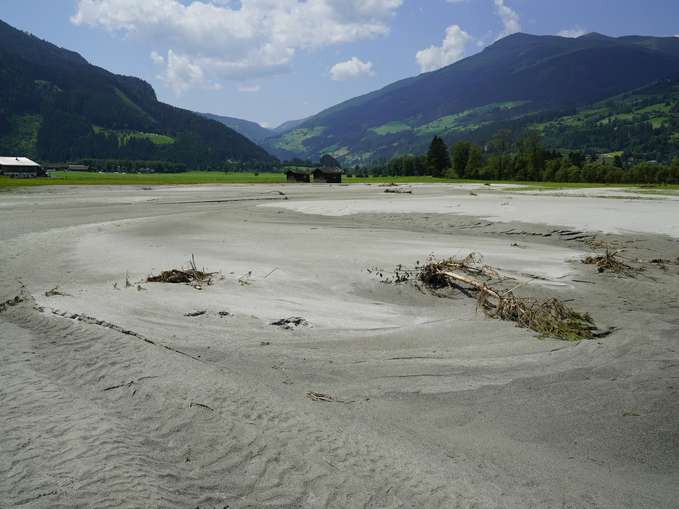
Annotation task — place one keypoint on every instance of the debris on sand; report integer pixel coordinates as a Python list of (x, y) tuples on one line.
[(274, 270), (549, 318), (398, 190), (318, 396), (609, 261), (291, 323), (196, 313), (245, 279), (191, 276), (662, 263), (55, 292), (432, 273), (200, 405), (11, 303), (224, 314)]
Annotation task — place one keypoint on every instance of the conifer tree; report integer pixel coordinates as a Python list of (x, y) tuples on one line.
[(437, 157)]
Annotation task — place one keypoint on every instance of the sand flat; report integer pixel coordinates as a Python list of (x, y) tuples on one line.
[(120, 399), (595, 210)]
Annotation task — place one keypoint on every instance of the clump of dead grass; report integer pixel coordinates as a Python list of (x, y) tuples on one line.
[(610, 261), (191, 276)]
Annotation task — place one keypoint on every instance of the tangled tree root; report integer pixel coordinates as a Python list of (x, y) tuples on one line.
[(549, 318), (191, 276)]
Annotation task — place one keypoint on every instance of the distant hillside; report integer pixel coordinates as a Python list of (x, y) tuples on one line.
[(288, 126), (519, 80), (55, 106), (251, 130), (643, 123)]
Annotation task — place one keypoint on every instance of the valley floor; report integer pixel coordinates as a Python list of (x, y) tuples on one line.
[(110, 396)]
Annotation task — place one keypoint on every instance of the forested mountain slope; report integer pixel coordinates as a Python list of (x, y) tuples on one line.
[(55, 106), (519, 80)]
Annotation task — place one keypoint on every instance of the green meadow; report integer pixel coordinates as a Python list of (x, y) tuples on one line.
[(80, 178)]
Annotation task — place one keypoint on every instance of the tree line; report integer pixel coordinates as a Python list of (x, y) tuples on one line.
[(524, 159)]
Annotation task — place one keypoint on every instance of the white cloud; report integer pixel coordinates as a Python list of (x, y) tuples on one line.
[(510, 19), (352, 68), (574, 32), (451, 50), (250, 89), (180, 74), (219, 39), (157, 58)]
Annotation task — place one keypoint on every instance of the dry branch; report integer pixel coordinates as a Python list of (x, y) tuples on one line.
[(200, 405), (317, 396)]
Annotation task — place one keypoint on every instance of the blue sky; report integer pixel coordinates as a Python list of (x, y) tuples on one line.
[(277, 60)]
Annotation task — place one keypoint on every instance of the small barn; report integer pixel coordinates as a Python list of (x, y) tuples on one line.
[(20, 167), (328, 175), (298, 175)]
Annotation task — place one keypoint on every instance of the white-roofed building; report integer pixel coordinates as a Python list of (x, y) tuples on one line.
[(20, 167)]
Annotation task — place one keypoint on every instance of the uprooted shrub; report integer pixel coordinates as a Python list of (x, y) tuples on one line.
[(548, 317)]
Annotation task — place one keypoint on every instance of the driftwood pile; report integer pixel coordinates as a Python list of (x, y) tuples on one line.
[(191, 276), (549, 318)]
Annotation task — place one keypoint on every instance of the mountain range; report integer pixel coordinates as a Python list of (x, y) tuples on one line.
[(253, 130), (55, 106), (519, 81), (596, 93)]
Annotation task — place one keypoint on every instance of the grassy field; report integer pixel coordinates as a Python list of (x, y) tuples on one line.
[(78, 178)]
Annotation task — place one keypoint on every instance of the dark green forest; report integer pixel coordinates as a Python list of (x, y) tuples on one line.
[(523, 159), (55, 106)]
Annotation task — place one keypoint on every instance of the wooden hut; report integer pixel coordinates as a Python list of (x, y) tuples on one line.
[(328, 175), (298, 175), (20, 167)]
